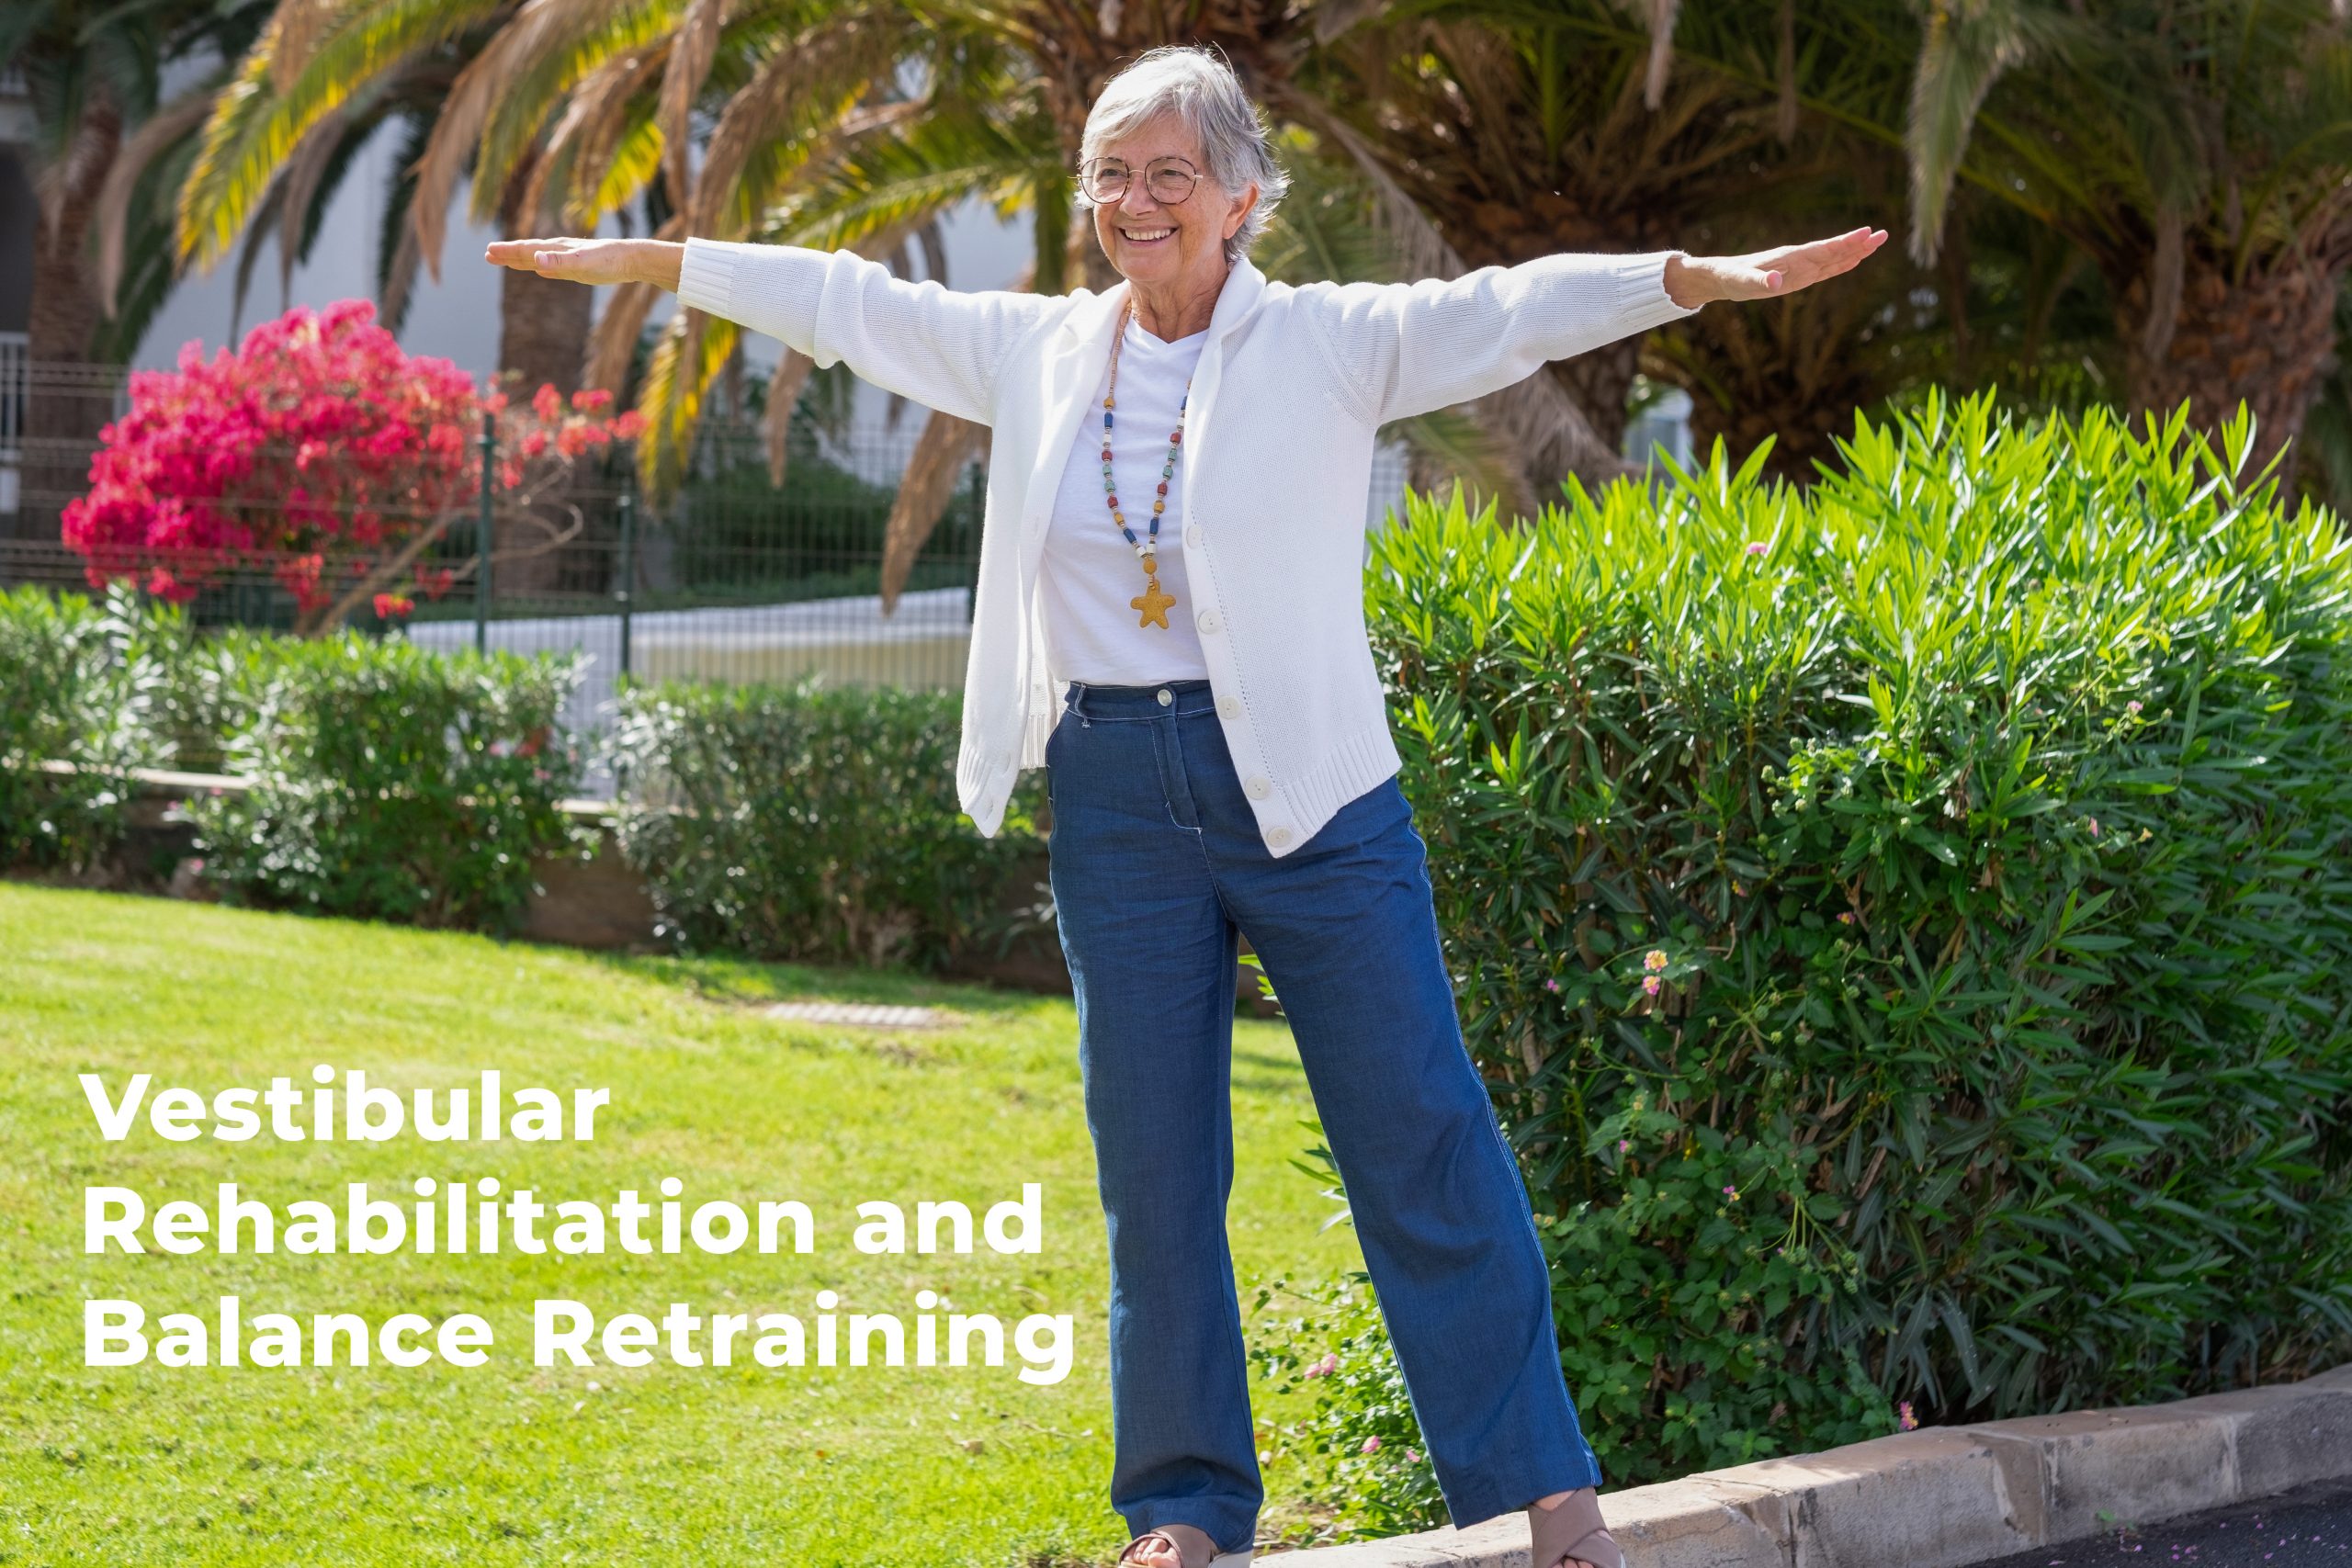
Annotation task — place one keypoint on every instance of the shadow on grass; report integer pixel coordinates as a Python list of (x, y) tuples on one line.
[(728, 980)]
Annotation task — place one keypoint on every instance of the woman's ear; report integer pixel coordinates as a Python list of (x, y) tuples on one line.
[(1242, 204)]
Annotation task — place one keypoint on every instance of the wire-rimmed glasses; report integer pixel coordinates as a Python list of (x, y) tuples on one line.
[(1170, 180)]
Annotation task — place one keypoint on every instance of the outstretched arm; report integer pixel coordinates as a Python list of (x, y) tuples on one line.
[(1406, 348), (943, 348)]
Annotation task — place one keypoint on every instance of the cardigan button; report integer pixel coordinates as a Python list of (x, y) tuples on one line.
[(1209, 621), (1193, 533), (1229, 706), (1278, 837), (1258, 788)]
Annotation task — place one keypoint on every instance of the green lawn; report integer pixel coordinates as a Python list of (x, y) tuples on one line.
[(509, 1463)]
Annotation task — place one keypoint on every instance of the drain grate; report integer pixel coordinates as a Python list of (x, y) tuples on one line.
[(872, 1014)]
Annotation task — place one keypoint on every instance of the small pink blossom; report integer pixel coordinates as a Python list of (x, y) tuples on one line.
[(1904, 1419), (2092, 823), (1846, 918), (1650, 984), (1551, 985), (1731, 1192), (1372, 1444), (1412, 1456), (1326, 1367), (1756, 547), (1624, 1144), (1654, 960), (2133, 706)]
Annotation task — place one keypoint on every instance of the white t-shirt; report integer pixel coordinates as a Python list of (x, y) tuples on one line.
[(1089, 571)]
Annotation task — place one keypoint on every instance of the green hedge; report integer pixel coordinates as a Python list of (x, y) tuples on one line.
[(817, 824), (76, 682), (388, 781), (1988, 812)]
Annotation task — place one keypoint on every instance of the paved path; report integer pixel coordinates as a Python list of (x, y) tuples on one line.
[(2310, 1528)]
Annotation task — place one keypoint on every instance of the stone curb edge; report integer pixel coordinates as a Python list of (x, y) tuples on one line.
[(1941, 1496)]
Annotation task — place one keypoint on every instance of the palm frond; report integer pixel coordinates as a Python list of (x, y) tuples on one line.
[(540, 26), (258, 118), (158, 134)]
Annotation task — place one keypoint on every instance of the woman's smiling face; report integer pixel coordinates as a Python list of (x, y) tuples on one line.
[(1154, 243)]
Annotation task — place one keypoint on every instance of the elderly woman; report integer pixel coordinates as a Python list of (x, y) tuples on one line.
[(1219, 759)]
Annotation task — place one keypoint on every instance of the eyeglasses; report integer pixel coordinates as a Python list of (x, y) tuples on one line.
[(1170, 180)]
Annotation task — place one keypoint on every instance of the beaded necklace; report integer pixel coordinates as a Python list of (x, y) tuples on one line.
[(1151, 601)]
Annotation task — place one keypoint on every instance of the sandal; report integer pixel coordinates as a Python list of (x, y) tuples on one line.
[(1572, 1528), (1218, 1559)]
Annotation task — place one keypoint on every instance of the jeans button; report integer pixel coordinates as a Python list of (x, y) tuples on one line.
[(1164, 698)]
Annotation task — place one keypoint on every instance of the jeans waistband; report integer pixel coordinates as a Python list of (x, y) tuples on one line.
[(1090, 699)]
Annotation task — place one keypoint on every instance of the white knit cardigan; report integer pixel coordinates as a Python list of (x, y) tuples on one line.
[(1292, 385)]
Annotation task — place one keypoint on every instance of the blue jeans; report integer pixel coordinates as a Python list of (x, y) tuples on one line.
[(1156, 863)]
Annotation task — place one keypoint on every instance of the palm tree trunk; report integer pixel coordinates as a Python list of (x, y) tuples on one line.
[(67, 404), (2266, 339), (544, 328)]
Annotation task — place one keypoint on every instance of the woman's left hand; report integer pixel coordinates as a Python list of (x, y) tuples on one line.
[(1692, 281)]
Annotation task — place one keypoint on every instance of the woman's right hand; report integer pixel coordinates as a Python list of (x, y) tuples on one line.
[(593, 261)]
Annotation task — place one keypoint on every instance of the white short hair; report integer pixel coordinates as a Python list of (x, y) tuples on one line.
[(1196, 85)]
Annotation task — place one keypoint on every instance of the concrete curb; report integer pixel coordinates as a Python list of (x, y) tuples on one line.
[(1943, 1496)]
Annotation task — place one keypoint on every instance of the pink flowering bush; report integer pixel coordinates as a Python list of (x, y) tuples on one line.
[(323, 455)]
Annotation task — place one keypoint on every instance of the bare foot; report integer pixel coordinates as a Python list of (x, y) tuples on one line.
[(1197, 1550), (1554, 1501)]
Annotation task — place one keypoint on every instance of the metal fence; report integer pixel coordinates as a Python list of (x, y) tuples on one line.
[(734, 579)]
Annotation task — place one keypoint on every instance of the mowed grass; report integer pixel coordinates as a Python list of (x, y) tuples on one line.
[(509, 1462)]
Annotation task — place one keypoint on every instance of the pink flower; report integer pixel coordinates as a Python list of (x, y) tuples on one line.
[(1326, 1367), (2092, 823), (2131, 707), (1731, 1192), (313, 449), (1371, 1444), (390, 604), (1650, 984), (1846, 918), (1550, 984), (1624, 1144), (1654, 960), (1412, 1456), (1904, 1419), (1756, 546)]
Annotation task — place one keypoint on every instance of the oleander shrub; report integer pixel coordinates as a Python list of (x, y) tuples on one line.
[(1906, 924), (816, 823), (388, 782)]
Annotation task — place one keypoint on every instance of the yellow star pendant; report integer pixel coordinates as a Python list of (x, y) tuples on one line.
[(1153, 603)]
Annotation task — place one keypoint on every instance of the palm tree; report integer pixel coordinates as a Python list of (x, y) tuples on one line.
[(102, 139), (2195, 150), (1525, 127)]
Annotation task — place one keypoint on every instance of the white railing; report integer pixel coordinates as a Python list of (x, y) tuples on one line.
[(12, 416), (23, 382), (13, 349)]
